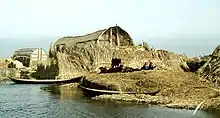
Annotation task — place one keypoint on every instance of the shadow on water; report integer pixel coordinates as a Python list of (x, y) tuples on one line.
[(65, 92), (53, 89)]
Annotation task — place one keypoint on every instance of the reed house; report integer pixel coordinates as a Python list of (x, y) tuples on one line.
[(30, 56), (113, 36), (76, 55)]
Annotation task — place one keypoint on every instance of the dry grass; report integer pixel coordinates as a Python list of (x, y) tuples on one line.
[(145, 80), (185, 90), (3, 64), (211, 69), (46, 70), (81, 54), (85, 58)]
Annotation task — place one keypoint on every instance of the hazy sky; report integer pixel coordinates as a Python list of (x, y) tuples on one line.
[(183, 26)]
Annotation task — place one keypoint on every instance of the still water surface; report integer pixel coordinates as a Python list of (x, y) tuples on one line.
[(31, 101)]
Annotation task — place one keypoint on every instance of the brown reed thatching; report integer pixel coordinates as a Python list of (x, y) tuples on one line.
[(78, 55), (30, 56), (111, 36), (211, 69), (3, 63), (46, 70)]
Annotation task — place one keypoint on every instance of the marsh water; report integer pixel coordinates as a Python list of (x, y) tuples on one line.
[(43, 101)]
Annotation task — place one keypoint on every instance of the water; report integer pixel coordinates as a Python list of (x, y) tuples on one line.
[(31, 101)]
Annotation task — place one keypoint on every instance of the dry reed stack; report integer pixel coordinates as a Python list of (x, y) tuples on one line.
[(79, 55), (211, 69)]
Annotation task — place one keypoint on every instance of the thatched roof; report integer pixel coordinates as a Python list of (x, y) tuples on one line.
[(70, 40), (25, 51), (76, 39)]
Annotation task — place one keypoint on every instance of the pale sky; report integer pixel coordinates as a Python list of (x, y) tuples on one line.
[(182, 26)]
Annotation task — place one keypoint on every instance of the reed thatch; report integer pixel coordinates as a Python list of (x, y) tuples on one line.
[(211, 69), (111, 36), (30, 56), (80, 55), (3, 63), (177, 89)]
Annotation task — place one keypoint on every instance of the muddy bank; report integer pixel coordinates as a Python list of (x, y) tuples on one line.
[(177, 89)]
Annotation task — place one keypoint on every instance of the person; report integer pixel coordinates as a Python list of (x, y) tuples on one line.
[(151, 67), (116, 63), (144, 67), (103, 70), (148, 67)]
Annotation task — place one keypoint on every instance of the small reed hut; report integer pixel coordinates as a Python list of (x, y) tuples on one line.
[(113, 36), (30, 56), (78, 55)]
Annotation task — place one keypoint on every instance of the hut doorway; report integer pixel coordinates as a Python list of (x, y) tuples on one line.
[(24, 60)]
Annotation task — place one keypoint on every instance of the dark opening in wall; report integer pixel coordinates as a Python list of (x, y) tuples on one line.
[(24, 60)]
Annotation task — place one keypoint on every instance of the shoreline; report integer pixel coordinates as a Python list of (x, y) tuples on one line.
[(177, 92), (157, 101), (143, 99), (165, 98)]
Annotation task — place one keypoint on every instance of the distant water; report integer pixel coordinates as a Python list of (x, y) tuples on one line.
[(31, 101)]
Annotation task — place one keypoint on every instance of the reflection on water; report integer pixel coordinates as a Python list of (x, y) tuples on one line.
[(65, 92), (57, 101)]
